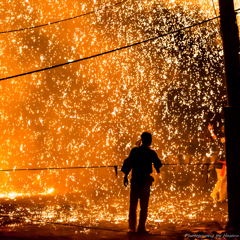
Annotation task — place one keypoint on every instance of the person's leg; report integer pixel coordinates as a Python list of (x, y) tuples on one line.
[(144, 199), (133, 206), (223, 189), (218, 185)]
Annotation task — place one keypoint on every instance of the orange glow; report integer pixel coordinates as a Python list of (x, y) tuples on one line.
[(91, 113)]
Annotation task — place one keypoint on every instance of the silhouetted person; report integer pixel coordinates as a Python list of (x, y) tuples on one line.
[(219, 192), (140, 162)]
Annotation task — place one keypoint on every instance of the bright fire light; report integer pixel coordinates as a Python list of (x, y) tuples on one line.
[(92, 112)]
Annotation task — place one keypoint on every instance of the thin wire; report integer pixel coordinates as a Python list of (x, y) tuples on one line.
[(216, 15), (214, 8), (115, 166), (63, 20), (56, 168), (111, 51), (67, 19)]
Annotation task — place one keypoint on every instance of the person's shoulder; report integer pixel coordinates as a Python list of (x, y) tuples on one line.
[(134, 152), (153, 153), (135, 149)]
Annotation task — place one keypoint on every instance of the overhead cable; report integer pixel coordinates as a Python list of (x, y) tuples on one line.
[(107, 52), (63, 20), (214, 8)]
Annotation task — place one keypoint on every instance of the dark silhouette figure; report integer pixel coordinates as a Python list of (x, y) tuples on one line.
[(140, 162)]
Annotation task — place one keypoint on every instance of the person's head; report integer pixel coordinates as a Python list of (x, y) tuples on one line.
[(146, 138)]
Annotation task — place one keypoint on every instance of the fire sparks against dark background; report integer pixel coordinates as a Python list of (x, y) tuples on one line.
[(91, 113)]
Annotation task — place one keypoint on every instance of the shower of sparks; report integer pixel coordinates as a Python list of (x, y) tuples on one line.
[(91, 113)]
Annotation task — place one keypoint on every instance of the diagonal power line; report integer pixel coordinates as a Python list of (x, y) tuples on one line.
[(214, 8), (107, 52), (63, 20)]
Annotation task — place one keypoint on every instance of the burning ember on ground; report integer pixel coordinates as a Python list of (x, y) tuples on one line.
[(90, 113)]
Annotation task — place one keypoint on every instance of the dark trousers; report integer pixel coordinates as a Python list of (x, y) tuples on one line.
[(139, 191)]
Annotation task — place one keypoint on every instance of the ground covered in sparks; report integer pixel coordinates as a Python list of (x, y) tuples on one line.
[(177, 206), (110, 227), (20, 230)]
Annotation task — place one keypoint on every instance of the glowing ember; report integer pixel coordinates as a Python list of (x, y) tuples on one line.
[(91, 113)]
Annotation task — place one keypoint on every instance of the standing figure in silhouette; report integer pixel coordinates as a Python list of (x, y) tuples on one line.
[(219, 192), (140, 162)]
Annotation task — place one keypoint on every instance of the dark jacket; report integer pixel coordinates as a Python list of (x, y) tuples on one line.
[(140, 162)]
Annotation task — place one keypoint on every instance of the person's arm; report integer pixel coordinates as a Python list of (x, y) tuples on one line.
[(125, 181), (126, 168), (157, 162)]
